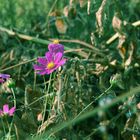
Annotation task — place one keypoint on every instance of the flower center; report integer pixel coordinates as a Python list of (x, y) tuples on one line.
[(56, 41), (50, 65)]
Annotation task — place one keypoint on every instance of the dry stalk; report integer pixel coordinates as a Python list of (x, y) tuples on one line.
[(99, 15)]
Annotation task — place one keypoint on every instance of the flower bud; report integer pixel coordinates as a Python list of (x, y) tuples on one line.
[(116, 80), (10, 83)]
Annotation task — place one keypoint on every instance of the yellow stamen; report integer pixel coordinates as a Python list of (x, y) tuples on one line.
[(56, 41), (50, 65)]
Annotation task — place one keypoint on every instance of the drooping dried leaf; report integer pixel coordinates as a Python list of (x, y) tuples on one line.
[(99, 17), (61, 26)]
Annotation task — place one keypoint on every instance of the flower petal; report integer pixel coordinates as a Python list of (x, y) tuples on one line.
[(58, 56), (11, 111), (50, 47), (5, 76), (42, 61), (49, 56), (6, 108), (50, 71), (37, 67), (43, 72), (62, 62), (55, 48)]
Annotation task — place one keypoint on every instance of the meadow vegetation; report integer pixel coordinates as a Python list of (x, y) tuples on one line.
[(69, 70)]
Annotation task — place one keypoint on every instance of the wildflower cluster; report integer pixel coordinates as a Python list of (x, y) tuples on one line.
[(53, 59), (6, 111)]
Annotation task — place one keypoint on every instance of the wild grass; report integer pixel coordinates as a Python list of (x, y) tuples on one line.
[(96, 94)]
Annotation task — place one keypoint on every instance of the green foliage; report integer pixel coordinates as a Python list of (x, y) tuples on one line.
[(94, 95)]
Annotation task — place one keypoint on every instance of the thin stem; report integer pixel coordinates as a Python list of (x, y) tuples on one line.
[(103, 93), (14, 96), (93, 101), (51, 9), (25, 37), (40, 99), (3, 126), (85, 44), (11, 124), (59, 94), (34, 81), (24, 62), (45, 105), (93, 112), (115, 36), (9, 132)]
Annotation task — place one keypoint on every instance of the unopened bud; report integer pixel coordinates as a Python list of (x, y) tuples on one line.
[(116, 80), (10, 83)]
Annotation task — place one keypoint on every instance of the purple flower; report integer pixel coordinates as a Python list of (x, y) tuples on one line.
[(50, 63), (4, 77), (55, 47), (7, 111)]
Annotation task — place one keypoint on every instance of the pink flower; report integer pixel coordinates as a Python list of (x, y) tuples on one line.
[(4, 77), (7, 111), (55, 47), (50, 63)]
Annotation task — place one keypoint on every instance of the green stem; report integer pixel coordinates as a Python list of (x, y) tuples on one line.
[(9, 132), (3, 126), (44, 112), (25, 37), (59, 94), (14, 96), (103, 93), (51, 9), (93, 112), (93, 101), (11, 124)]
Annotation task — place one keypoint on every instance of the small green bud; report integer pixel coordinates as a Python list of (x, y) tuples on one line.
[(116, 80), (113, 81), (10, 83)]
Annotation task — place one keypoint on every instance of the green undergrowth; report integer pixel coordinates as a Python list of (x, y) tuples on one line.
[(96, 94)]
